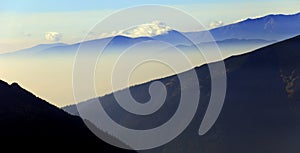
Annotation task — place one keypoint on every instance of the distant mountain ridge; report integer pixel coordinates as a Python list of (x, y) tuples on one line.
[(122, 42), (271, 27), (34, 50), (268, 28)]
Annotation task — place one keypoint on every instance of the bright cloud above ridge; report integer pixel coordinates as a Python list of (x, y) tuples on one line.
[(53, 36), (144, 30)]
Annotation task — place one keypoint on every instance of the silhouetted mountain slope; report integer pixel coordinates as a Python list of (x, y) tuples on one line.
[(28, 120), (261, 113)]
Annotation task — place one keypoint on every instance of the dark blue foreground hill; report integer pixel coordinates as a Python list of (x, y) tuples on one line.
[(261, 113), (28, 120)]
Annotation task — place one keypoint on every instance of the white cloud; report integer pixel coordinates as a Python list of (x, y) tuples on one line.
[(149, 29), (216, 24), (144, 30), (53, 36)]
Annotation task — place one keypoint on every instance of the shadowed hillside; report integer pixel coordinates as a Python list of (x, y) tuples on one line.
[(261, 113), (28, 120)]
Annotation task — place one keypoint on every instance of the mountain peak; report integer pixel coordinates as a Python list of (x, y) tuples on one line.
[(15, 85), (5, 86), (267, 17), (3, 83), (270, 27)]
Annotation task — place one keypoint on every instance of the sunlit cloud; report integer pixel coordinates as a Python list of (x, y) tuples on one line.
[(216, 24), (144, 30), (110, 34), (149, 29), (53, 36)]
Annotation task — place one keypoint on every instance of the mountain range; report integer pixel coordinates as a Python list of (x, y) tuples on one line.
[(267, 29), (261, 112), (271, 27)]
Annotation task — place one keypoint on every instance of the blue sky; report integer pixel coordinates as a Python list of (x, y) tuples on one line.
[(88, 5), (28, 23), (38, 6)]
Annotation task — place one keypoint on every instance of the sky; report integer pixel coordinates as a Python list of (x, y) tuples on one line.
[(28, 23)]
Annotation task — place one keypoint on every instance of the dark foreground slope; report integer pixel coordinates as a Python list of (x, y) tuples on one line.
[(32, 122), (261, 113)]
